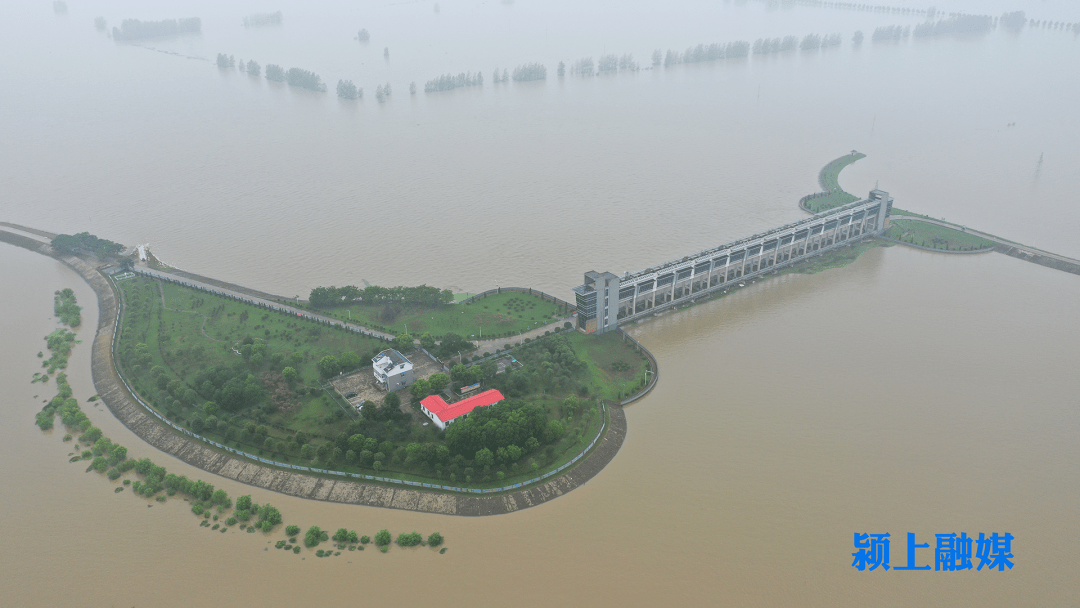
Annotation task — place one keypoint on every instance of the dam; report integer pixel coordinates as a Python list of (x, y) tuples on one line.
[(606, 300)]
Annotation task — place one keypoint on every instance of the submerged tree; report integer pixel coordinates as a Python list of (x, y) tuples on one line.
[(386, 53), (449, 82), (412, 88), (562, 69), (304, 79), (363, 35), (133, 29), (99, 23), (347, 90), (263, 19), (275, 72), (530, 71), (657, 57), (225, 61), (253, 68), (857, 38), (582, 67)]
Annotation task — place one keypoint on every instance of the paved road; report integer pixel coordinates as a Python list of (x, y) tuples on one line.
[(142, 269), (989, 237)]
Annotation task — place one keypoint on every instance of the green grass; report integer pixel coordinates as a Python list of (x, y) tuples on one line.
[(185, 343), (498, 315), (601, 353), (935, 237), (836, 196)]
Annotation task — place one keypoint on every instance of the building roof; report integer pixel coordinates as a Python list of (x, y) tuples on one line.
[(389, 359), (448, 411)]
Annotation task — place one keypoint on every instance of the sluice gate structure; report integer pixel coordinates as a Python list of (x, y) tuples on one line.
[(606, 300)]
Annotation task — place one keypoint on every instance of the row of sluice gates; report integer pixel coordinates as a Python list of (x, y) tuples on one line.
[(740, 259), (716, 268)]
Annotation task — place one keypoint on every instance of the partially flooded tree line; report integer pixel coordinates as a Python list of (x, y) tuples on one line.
[(214, 508)]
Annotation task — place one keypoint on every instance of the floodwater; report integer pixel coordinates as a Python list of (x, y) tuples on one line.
[(907, 392)]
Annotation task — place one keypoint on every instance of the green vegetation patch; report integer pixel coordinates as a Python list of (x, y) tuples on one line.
[(497, 315), (212, 364), (616, 369), (66, 308), (833, 196), (84, 242), (231, 371), (935, 237)]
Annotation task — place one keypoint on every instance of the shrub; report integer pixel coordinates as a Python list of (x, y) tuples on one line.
[(365, 540), (292, 530), (230, 522), (313, 536), (296, 549), (114, 474), (409, 540), (279, 544), (382, 538)]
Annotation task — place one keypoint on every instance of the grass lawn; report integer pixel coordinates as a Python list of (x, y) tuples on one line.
[(935, 237), (616, 368), (195, 331), (836, 196), (497, 315)]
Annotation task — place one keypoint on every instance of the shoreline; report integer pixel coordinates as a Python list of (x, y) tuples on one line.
[(110, 388)]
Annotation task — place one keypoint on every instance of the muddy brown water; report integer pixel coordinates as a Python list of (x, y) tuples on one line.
[(908, 392)]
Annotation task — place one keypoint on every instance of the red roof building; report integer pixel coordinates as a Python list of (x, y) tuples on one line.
[(443, 413)]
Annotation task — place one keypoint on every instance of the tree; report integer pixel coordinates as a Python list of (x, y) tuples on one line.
[(289, 373), (437, 382), (210, 408), (349, 360), (484, 457), (243, 502), (435, 539), (382, 539), (404, 343), (347, 90), (220, 497), (292, 530), (392, 400), (419, 390), (427, 341), (410, 539), (329, 366), (340, 536), (313, 536)]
